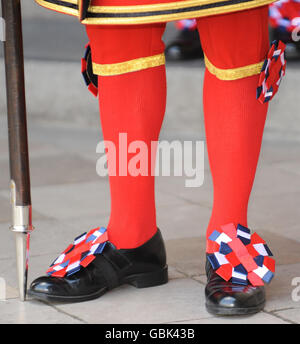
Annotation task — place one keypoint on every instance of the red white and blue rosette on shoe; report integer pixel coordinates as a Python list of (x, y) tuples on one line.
[(237, 255), (272, 72), (79, 254)]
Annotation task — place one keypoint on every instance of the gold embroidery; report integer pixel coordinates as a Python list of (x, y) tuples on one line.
[(233, 73), (129, 66)]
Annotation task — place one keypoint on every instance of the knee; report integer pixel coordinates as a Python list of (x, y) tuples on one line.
[(235, 44)]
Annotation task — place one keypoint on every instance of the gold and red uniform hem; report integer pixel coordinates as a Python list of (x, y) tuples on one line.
[(150, 13)]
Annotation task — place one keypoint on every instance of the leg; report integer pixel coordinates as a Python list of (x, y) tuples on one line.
[(234, 119), (235, 45), (132, 92), (131, 102)]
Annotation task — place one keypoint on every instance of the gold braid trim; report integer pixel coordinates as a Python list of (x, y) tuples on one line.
[(130, 18), (128, 66), (149, 8), (60, 8), (233, 73), (161, 18)]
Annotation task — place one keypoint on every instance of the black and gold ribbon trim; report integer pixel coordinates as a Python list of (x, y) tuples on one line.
[(67, 6), (142, 14), (129, 66)]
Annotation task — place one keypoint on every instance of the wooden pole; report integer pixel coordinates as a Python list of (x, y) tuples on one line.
[(18, 138)]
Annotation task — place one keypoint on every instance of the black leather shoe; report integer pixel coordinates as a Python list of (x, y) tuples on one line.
[(227, 298), (144, 266)]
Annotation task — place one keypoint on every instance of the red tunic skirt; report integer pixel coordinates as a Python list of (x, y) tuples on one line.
[(115, 12)]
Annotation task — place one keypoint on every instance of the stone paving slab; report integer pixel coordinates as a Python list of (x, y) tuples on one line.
[(178, 221), (187, 255), (260, 318), (292, 167), (175, 186), (56, 169), (180, 299), (292, 315), (36, 149), (17, 312), (69, 201), (273, 180), (3, 148), (5, 210), (291, 232), (8, 293), (279, 293), (274, 212), (273, 152)]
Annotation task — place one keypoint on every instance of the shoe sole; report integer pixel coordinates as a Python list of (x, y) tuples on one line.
[(66, 299), (217, 310), (144, 280)]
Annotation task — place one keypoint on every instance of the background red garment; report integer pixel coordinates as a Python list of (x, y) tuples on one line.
[(285, 14)]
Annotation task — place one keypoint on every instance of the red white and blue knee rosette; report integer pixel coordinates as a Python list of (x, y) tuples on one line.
[(91, 79), (272, 72), (79, 254), (238, 256)]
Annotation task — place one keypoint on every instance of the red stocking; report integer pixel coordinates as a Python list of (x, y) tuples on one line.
[(132, 98), (234, 122), (134, 104)]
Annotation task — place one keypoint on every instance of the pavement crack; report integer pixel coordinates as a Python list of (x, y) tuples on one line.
[(276, 315), (197, 280), (185, 320), (62, 311), (282, 309), (187, 200), (193, 277)]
